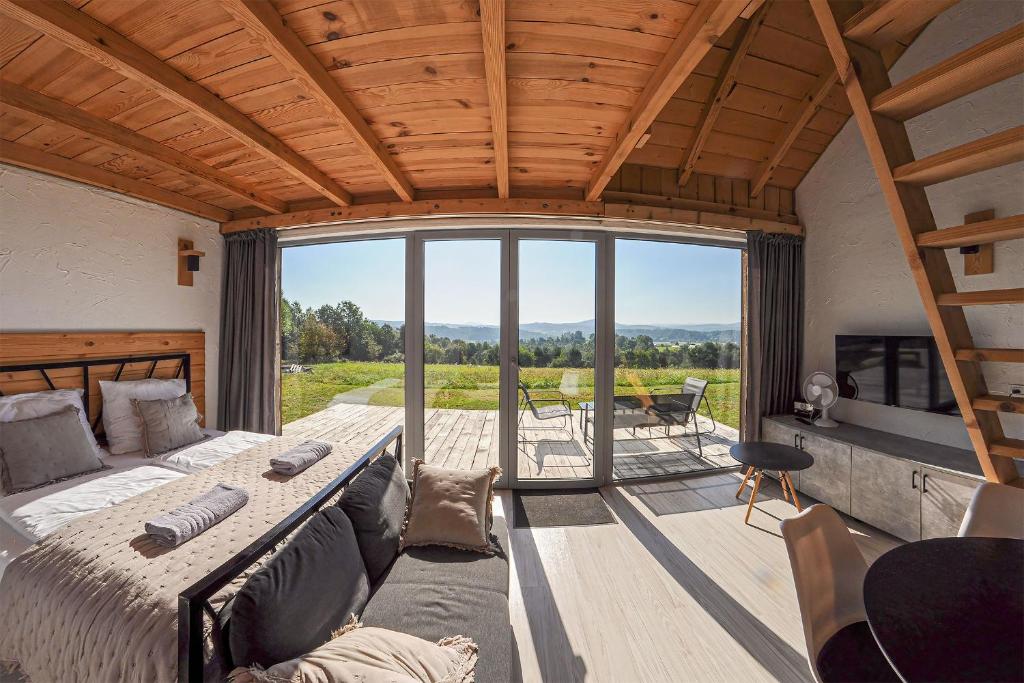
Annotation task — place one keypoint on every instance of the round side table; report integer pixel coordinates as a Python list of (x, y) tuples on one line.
[(759, 456)]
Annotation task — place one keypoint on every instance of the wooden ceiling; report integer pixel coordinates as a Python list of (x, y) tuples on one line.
[(243, 108)]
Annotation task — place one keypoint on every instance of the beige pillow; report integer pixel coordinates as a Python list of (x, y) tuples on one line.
[(373, 655), (450, 507), (168, 424)]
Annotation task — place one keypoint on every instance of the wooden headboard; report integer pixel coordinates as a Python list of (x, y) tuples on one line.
[(42, 347)]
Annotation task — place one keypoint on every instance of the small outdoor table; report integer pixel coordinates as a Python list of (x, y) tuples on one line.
[(759, 456), (950, 609)]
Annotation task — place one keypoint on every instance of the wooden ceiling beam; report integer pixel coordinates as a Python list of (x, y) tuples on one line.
[(706, 23), (263, 22), (492, 22), (30, 158), (723, 88), (883, 22), (78, 31), (103, 131)]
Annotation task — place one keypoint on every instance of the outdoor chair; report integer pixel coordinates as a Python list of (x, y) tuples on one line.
[(559, 409), (682, 409)]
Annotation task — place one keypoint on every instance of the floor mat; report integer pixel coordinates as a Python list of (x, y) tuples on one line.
[(560, 507)]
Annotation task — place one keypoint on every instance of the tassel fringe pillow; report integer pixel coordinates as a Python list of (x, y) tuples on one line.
[(450, 507)]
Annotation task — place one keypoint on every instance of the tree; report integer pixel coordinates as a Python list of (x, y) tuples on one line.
[(317, 342)]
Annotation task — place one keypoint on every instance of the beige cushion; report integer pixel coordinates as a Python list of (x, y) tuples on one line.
[(450, 507), (374, 655), (121, 423), (168, 423), (41, 450)]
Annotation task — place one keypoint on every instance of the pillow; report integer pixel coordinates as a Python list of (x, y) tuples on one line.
[(41, 450), (168, 423), (301, 595), (40, 403), (450, 507), (374, 655), (122, 426), (375, 503)]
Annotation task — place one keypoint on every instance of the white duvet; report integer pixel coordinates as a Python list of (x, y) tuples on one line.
[(211, 452)]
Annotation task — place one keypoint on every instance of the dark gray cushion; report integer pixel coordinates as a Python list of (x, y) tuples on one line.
[(168, 423), (376, 502), (309, 589), (40, 450)]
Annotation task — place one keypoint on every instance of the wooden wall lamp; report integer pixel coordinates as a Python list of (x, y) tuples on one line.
[(188, 261)]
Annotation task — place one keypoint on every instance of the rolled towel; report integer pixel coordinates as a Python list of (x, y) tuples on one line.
[(296, 459), (196, 516)]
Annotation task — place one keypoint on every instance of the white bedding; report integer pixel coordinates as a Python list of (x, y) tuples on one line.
[(211, 452)]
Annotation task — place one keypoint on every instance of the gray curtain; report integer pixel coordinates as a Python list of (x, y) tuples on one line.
[(248, 332), (775, 327)]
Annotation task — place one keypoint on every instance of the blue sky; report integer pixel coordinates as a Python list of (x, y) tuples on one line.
[(659, 283)]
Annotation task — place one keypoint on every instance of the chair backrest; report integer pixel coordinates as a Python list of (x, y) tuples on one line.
[(695, 388), (996, 510), (828, 571), (526, 394)]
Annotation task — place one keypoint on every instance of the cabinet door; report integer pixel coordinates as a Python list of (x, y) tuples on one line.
[(944, 500), (776, 432), (885, 492), (828, 479)]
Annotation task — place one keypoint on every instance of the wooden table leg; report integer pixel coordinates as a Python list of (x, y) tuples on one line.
[(753, 496), (746, 477), (782, 483), (792, 490)]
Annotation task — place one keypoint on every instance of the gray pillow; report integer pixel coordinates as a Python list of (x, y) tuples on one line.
[(168, 423), (42, 450), (376, 502)]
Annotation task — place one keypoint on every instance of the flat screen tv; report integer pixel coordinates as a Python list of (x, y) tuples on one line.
[(895, 371)]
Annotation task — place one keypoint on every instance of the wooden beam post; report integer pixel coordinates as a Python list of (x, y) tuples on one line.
[(492, 23)]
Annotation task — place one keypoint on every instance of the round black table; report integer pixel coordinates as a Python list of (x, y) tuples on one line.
[(759, 456), (950, 609)]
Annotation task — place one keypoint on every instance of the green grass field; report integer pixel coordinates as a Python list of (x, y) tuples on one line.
[(475, 387)]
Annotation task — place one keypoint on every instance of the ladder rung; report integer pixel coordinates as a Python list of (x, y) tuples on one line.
[(982, 232), (982, 298), (991, 355), (882, 23), (988, 62), (1001, 404), (1008, 448), (978, 155)]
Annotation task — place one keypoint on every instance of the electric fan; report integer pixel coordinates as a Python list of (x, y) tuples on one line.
[(822, 392)]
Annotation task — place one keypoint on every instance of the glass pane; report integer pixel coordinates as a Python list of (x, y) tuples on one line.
[(462, 315), (557, 308), (677, 357), (343, 340)]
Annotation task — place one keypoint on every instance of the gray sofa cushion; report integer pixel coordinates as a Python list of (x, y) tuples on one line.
[(309, 589), (375, 503)]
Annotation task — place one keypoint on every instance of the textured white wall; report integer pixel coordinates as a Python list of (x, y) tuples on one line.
[(858, 281), (74, 257)]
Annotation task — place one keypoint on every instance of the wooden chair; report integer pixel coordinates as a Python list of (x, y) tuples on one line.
[(996, 511)]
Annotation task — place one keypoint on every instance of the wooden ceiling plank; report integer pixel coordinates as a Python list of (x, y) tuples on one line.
[(27, 157), (79, 31), (492, 22), (263, 22), (709, 20), (103, 131), (723, 88), (883, 22)]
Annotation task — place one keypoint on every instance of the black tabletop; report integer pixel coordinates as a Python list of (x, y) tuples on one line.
[(771, 456), (950, 609)]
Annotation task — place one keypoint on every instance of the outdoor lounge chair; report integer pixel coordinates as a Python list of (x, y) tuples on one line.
[(559, 409), (681, 409)]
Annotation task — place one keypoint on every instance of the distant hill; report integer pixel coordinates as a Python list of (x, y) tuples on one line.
[(659, 333)]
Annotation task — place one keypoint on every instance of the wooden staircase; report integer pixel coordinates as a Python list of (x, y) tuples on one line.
[(880, 109)]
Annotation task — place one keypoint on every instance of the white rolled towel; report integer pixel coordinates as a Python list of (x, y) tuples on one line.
[(196, 516)]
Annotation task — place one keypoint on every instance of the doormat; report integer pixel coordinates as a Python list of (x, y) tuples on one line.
[(560, 507)]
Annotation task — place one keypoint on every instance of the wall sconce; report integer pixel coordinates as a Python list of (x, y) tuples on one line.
[(188, 262)]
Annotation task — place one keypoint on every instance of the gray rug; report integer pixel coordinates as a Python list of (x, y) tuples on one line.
[(559, 507)]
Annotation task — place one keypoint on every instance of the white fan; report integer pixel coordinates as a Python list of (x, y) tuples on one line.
[(822, 392)]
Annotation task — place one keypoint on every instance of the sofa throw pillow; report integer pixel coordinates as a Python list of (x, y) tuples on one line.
[(41, 450), (375, 503), (122, 425), (305, 592), (450, 507), (40, 403), (168, 423), (374, 655)]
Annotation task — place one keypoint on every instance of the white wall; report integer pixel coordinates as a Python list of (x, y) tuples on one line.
[(858, 280), (74, 257)]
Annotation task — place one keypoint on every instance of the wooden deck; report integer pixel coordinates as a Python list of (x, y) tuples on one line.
[(468, 439)]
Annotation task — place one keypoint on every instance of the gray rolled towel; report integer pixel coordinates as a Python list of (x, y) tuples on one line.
[(196, 516), (296, 459)]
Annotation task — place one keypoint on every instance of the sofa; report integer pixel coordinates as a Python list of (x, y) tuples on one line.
[(345, 561)]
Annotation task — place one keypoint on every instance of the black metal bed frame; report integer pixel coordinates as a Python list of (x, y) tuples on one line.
[(193, 602)]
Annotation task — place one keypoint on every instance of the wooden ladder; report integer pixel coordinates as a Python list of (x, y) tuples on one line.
[(881, 109)]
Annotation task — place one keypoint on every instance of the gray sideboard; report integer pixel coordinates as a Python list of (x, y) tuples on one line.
[(910, 488)]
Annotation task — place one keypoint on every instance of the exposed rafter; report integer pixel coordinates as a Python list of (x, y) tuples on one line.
[(708, 21), (723, 88), (78, 31), (263, 22), (492, 21)]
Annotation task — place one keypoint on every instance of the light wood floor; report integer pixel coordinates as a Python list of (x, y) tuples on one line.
[(469, 439), (679, 590)]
